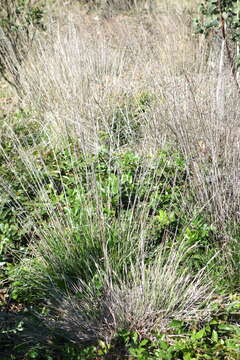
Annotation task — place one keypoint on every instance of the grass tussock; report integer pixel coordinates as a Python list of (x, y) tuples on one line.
[(122, 173)]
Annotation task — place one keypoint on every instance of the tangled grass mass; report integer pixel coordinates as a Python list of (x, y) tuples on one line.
[(119, 183)]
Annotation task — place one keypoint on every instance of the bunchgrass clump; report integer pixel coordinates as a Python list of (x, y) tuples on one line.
[(119, 184)]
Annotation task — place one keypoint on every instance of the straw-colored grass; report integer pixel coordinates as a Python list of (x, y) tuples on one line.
[(126, 83)]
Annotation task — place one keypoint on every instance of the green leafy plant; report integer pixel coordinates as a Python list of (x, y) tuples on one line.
[(217, 338)]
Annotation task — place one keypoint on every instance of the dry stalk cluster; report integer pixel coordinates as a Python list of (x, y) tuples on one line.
[(74, 80)]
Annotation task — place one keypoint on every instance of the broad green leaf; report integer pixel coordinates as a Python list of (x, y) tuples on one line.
[(188, 356), (143, 342), (215, 336), (199, 335), (176, 324), (163, 345), (226, 327)]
